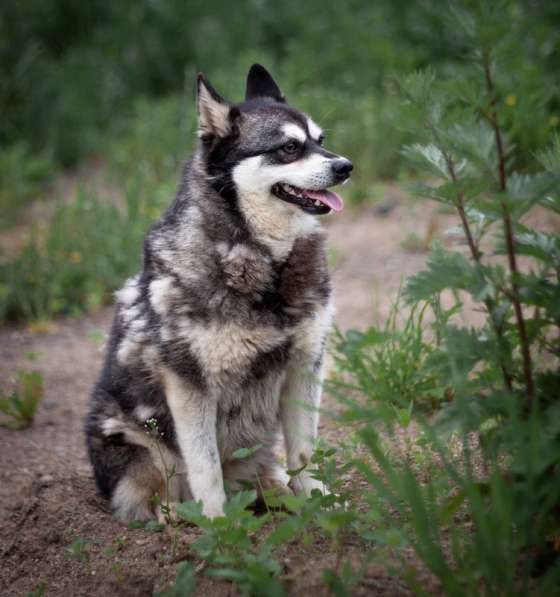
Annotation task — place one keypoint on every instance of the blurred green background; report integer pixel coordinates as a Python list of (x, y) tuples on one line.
[(116, 81)]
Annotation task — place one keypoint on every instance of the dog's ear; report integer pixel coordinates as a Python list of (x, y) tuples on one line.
[(216, 116), (261, 84)]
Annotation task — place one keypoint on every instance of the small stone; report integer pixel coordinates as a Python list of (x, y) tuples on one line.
[(385, 207), (51, 536)]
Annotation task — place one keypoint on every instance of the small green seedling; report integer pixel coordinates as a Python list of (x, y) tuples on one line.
[(78, 550), (20, 406), (39, 591)]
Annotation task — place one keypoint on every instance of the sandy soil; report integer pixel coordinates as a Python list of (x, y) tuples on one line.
[(47, 493)]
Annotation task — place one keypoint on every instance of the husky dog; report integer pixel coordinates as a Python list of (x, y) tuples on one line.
[(218, 342)]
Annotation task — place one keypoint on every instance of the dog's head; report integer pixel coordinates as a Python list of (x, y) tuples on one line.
[(267, 152)]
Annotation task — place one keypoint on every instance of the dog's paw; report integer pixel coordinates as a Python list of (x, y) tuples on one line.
[(274, 485), (304, 483), (212, 510), (272, 476)]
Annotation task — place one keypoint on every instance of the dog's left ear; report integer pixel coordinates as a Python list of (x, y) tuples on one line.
[(216, 116), (261, 84)]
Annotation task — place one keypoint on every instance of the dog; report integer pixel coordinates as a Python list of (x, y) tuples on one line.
[(218, 342)]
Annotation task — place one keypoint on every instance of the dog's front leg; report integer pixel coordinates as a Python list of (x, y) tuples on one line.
[(194, 415), (299, 411), (301, 397)]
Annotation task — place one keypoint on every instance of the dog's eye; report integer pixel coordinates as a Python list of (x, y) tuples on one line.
[(291, 147)]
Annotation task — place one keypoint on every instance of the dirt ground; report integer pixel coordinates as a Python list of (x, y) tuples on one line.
[(47, 493)]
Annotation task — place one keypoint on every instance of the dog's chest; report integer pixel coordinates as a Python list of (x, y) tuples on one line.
[(239, 320), (263, 313), (231, 347)]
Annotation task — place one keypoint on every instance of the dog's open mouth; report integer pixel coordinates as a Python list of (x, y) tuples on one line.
[(311, 201)]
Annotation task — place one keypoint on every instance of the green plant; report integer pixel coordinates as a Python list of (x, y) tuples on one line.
[(388, 363), (89, 248), (246, 548), (19, 407), (39, 591), (79, 550), (23, 176), (154, 142), (229, 545), (185, 582), (485, 519)]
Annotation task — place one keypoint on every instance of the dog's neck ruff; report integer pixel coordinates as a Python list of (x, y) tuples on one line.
[(275, 225)]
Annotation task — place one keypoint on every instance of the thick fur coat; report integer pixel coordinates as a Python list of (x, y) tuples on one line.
[(220, 337)]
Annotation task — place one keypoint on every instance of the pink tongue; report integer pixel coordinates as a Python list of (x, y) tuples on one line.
[(329, 198)]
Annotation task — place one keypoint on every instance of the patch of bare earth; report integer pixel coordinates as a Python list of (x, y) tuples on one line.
[(47, 493)]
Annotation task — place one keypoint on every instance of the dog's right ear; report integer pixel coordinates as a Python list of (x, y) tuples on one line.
[(261, 84), (215, 114)]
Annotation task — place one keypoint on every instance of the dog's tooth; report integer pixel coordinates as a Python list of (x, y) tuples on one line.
[(317, 202)]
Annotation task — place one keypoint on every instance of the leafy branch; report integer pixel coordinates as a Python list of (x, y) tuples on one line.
[(459, 202), (492, 117)]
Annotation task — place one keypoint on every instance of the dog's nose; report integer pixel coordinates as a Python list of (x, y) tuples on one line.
[(342, 168)]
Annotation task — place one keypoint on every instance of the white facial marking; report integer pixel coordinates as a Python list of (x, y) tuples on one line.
[(314, 129), (275, 222), (254, 176), (294, 132)]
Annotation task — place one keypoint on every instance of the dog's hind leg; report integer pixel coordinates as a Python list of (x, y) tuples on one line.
[(131, 468), (133, 495)]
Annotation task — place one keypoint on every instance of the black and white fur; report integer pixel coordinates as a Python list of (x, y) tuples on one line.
[(221, 335)]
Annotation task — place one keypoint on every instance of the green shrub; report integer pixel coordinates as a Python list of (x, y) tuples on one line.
[(22, 178), (18, 408), (488, 520), (87, 251), (71, 72), (389, 364), (92, 243), (154, 143), (247, 549)]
